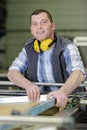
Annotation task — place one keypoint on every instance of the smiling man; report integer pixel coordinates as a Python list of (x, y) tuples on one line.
[(49, 58)]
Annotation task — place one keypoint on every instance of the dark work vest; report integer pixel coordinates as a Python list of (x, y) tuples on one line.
[(58, 60)]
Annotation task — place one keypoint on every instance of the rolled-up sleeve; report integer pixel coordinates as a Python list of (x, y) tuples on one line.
[(20, 62), (73, 59)]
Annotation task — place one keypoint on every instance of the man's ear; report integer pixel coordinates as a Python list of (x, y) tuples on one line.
[(53, 26), (31, 30)]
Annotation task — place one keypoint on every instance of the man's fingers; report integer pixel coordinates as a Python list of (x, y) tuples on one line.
[(61, 98), (50, 95), (33, 94), (36, 94)]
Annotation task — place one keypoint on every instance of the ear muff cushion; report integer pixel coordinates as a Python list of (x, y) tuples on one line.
[(36, 46), (45, 44)]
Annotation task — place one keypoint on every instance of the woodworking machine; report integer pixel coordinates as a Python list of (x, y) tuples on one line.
[(18, 113)]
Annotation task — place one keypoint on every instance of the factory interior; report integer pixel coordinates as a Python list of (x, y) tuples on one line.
[(70, 18)]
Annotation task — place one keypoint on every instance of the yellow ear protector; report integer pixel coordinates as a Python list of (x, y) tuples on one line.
[(43, 46)]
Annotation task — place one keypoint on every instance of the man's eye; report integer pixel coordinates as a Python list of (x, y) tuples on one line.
[(34, 24), (44, 21)]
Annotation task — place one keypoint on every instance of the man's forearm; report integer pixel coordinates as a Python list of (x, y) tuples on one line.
[(72, 82), (17, 78)]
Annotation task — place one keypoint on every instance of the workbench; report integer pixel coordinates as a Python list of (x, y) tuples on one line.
[(15, 112)]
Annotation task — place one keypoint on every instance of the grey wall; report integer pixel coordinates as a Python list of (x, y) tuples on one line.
[(70, 17)]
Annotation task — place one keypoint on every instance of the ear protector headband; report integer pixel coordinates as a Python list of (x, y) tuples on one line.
[(43, 46)]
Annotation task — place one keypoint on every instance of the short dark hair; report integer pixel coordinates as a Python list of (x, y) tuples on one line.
[(38, 11)]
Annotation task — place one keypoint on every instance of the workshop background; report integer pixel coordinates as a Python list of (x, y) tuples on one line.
[(70, 17)]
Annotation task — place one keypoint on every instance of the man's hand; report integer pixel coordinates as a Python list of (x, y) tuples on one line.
[(33, 92), (61, 98)]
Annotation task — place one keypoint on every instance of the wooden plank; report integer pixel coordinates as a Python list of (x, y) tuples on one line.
[(6, 109), (39, 108)]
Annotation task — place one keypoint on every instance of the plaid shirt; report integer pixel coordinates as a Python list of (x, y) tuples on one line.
[(44, 70)]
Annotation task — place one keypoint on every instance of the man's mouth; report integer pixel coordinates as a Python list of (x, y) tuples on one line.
[(40, 32)]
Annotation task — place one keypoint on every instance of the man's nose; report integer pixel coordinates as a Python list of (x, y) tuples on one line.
[(39, 25)]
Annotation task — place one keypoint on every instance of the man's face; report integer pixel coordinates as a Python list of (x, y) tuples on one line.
[(41, 27)]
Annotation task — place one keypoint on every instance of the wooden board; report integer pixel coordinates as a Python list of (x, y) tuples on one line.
[(6, 109)]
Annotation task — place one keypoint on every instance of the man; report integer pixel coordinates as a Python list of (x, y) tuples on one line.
[(47, 57)]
